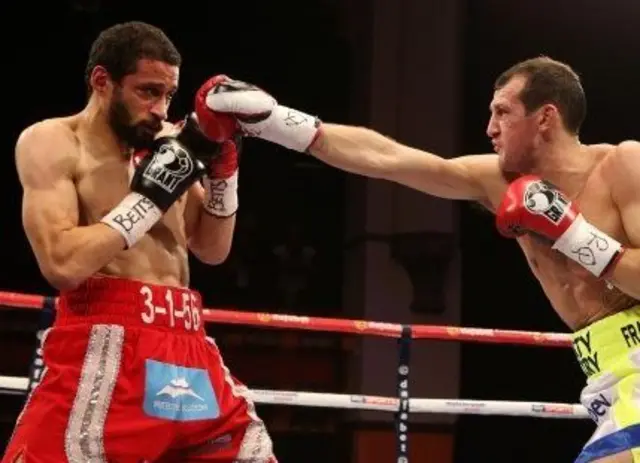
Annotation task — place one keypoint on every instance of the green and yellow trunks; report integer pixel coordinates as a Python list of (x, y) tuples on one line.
[(609, 353)]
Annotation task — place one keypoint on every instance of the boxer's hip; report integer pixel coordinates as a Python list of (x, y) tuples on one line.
[(130, 303), (124, 363), (609, 353), (610, 344), (146, 340)]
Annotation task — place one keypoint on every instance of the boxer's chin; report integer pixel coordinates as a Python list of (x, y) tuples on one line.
[(142, 136), (510, 168), (133, 136)]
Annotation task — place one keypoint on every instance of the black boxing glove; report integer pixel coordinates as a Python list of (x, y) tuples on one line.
[(198, 144), (159, 180)]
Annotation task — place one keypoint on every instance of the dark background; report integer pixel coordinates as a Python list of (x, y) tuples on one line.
[(298, 51)]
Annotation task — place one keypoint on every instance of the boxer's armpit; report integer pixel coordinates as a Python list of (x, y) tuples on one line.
[(483, 205)]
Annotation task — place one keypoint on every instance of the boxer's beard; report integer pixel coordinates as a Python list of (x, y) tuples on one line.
[(137, 135)]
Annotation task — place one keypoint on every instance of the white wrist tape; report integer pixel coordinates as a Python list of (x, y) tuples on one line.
[(585, 244), (133, 217), (221, 195), (287, 127)]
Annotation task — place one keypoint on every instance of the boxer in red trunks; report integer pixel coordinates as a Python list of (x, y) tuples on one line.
[(129, 373)]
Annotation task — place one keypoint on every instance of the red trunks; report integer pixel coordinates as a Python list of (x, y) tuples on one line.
[(130, 377)]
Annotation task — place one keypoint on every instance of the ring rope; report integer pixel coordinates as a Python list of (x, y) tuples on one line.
[(337, 325), (14, 384), (402, 405)]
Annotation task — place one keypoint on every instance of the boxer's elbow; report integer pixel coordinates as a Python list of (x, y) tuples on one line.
[(62, 277), (213, 255), (63, 272), (210, 241), (210, 252)]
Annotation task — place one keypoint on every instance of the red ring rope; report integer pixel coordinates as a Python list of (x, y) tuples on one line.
[(336, 325)]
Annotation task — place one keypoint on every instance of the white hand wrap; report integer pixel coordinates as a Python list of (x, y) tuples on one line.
[(133, 217), (221, 195), (585, 244)]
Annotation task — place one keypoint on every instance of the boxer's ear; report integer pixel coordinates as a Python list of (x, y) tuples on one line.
[(100, 79), (548, 117)]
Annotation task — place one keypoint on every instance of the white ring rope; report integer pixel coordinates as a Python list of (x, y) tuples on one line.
[(14, 384)]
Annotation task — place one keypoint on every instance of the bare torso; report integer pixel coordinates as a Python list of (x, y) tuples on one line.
[(576, 295), (102, 180)]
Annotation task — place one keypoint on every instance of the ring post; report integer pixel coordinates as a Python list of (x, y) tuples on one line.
[(402, 415)]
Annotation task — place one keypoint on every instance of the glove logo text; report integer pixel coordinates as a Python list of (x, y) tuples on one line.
[(541, 199), (169, 166)]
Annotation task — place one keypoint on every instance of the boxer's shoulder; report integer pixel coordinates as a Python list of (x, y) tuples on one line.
[(616, 161), (48, 143), (56, 132), (627, 151), (622, 171)]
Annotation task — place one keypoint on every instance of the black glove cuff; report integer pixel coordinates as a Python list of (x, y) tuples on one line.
[(195, 140)]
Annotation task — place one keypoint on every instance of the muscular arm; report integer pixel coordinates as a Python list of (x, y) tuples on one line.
[(209, 237), (366, 152), (626, 195), (66, 253)]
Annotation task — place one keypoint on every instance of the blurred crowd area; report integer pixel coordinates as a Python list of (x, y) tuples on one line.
[(287, 250)]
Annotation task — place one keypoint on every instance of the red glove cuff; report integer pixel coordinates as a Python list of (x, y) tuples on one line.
[(226, 163)]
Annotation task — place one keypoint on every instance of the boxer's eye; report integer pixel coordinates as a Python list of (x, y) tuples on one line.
[(150, 92)]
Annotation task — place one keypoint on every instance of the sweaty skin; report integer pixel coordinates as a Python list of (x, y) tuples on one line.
[(73, 170), (70, 181), (577, 296), (535, 133), (161, 255)]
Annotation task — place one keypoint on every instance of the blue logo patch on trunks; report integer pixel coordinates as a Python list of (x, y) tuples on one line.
[(178, 393)]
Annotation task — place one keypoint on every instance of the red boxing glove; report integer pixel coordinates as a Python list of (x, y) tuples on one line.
[(215, 125), (534, 206), (531, 205)]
